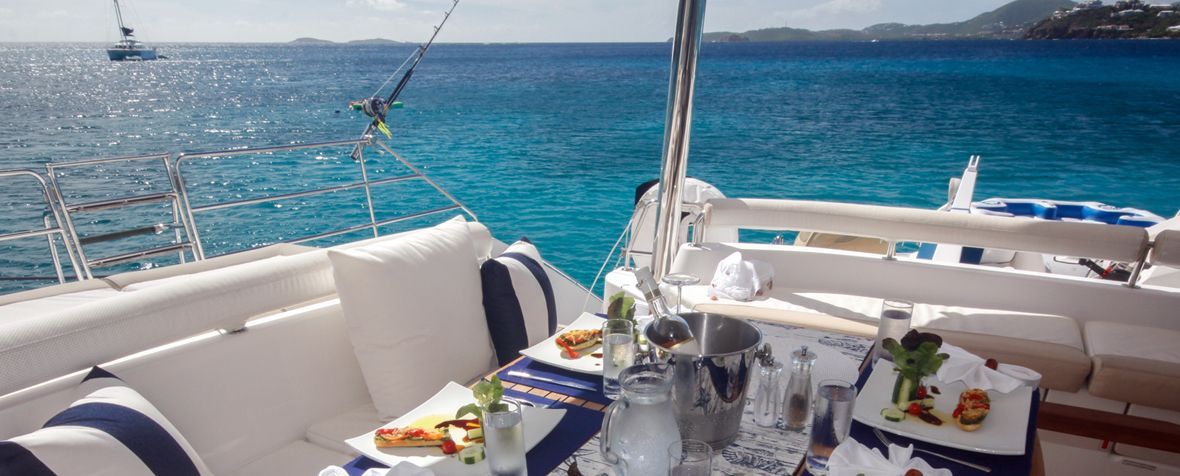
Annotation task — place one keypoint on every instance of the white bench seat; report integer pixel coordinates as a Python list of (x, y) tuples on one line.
[(1135, 364), (296, 458), (331, 432)]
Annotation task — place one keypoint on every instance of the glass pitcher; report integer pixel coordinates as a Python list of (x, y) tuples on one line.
[(641, 424)]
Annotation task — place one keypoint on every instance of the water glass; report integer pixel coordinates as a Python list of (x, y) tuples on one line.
[(618, 353), (503, 434), (690, 458), (894, 323), (831, 423)]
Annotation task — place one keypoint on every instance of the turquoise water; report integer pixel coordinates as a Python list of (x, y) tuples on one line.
[(549, 141)]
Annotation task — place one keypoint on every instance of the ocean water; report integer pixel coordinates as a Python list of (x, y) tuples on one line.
[(548, 141)]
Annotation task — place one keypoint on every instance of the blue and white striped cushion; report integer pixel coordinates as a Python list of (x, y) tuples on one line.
[(113, 430), (517, 300)]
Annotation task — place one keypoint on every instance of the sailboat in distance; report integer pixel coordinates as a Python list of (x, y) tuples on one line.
[(128, 48)]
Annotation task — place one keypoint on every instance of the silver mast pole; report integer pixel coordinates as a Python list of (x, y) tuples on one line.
[(686, 45)]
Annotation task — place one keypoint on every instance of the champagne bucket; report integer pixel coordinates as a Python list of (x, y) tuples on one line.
[(709, 388)]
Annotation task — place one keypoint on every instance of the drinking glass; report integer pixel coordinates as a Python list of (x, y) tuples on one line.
[(690, 458), (680, 280), (503, 435), (832, 421), (618, 353), (894, 323)]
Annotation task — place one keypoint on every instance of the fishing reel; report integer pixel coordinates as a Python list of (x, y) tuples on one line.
[(375, 108)]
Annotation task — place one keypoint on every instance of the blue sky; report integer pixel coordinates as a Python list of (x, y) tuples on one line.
[(474, 20)]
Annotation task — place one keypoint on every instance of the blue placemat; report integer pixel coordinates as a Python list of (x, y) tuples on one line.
[(1000, 464), (576, 427), (544, 370)]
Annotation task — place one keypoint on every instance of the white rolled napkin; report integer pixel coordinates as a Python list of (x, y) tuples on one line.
[(970, 369), (852, 458), (404, 468), (741, 280)]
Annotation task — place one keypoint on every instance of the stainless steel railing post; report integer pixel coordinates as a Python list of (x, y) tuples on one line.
[(677, 127)]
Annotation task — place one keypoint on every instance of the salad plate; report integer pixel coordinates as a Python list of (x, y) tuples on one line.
[(589, 360), (1003, 432), (538, 423)]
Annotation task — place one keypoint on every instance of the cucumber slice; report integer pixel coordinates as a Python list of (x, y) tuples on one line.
[(928, 403), (892, 414), (475, 433), (471, 454), (903, 390)]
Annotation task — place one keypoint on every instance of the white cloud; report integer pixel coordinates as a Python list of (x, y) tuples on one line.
[(385, 5), (830, 9)]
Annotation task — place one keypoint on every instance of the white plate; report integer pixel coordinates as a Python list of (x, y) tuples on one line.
[(549, 352), (1003, 432), (538, 422)]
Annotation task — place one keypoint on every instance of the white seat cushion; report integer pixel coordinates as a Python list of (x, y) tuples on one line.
[(332, 432), (37, 308), (414, 311), (297, 458), (1134, 364)]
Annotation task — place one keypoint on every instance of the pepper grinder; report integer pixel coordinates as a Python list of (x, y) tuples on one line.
[(797, 398), (766, 401)]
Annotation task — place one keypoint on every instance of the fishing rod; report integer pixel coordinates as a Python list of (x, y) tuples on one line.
[(376, 107)]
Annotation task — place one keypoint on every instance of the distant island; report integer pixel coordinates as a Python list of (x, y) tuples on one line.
[(1020, 19), (371, 41)]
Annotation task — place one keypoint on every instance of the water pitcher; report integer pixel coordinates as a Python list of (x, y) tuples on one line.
[(641, 424)]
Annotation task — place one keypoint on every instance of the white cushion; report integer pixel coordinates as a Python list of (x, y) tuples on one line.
[(297, 458), (36, 308), (517, 300), (332, 432), (113, 431), (35, 350), (407, 302)]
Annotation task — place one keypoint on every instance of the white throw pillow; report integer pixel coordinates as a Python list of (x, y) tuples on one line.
[(518, 300), (112, 431), (414, 311)]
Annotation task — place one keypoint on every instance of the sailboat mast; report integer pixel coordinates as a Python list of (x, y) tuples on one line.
[(119, 17)]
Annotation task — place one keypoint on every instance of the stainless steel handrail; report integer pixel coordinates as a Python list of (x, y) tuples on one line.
[(49, 230), (68, 209), (366, 184)]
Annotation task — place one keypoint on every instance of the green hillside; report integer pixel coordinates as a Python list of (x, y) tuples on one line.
[(1009, 21), (1125, 19)]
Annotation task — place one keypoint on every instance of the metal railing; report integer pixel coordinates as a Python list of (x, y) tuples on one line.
[(179, 245), (48, 230), (186, 234)]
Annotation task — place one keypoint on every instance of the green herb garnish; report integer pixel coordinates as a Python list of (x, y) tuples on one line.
[(487, 396)]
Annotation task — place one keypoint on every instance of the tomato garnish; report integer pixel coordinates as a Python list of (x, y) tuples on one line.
[(914, 409), (570, 350), (958, 411), (448, 447), (921, 391)]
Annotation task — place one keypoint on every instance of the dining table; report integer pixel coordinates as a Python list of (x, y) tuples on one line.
[(572, 448)]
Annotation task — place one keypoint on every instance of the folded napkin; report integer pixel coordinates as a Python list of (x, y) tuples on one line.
[(852, 459), (970, 369), (401, 469), (741, 280)]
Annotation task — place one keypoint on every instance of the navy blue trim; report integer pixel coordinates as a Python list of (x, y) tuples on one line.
[(138, 432), (99, 372), (15, 459), (542, 280), (503, 312)]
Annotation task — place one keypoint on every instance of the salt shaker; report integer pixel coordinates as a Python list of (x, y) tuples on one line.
[(797, 398), (766, 401)]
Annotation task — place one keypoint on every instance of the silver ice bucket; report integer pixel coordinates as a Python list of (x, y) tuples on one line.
[(709, 389)]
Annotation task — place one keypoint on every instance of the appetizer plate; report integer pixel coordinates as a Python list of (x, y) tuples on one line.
[(549, 352), (538, 422), (1003, 432)]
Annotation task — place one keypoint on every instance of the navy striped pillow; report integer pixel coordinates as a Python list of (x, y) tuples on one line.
[(111, 431), (517, 300)]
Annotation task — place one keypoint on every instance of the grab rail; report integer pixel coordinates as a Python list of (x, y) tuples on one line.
[(364, 183), (61, 210), (47, 230)]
